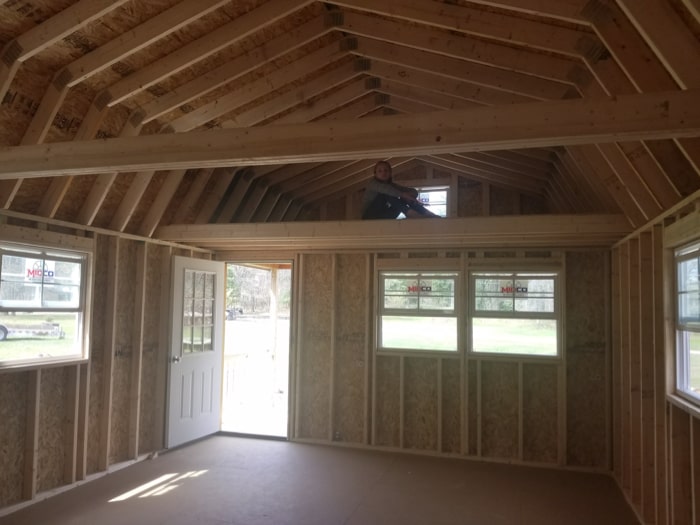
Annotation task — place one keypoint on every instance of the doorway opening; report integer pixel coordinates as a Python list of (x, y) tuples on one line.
[(256, 349)]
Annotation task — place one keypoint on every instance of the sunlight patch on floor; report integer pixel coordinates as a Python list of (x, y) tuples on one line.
[(159, 486)]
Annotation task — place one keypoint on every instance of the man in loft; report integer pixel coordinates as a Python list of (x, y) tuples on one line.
[(384, 199)]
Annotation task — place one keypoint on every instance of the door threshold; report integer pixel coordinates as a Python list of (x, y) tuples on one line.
[(251, 436)]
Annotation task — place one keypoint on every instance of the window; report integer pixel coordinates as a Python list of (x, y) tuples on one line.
[(42, 304), (688, 321), (198, 312), (417, 311), (514, 313), (435, 199)]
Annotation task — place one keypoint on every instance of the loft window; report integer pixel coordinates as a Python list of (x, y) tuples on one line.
[(434, 198)]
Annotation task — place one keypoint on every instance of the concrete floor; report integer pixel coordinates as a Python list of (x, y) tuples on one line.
[(240, 481)]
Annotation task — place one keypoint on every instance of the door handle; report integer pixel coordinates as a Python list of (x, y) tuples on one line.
[(175, 359)]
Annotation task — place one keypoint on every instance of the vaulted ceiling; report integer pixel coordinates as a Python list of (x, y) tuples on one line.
[(131, 115)]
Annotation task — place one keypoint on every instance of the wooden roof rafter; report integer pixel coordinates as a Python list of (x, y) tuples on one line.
[(492, 54), (247, 93), (458, 69), (452, 88), (236, 68), (498, 26)]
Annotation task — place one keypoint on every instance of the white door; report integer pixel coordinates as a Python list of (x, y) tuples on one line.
[(196, 350)]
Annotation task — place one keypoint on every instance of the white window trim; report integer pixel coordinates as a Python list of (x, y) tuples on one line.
[(684, 232), (45, 240), (681, 364)]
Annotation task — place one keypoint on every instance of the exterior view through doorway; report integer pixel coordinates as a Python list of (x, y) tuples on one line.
[(256, 349)]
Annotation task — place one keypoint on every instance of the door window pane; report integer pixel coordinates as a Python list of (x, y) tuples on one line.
[(198, 311)]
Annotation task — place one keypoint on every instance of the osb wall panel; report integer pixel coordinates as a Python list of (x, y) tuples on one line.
[(420, 403), (335, 210), (530, 205), (695, 451), (411, 173), (387, 401), (121, 388), (451, 406), (503, 202), (499, 410), (470, 199), (123, 352), (587, 315), (540, 428), (472, 408), (680, 461), (52, 411), (13, 414), (151, 398), (350, 305), (315, 346), (97, 327)]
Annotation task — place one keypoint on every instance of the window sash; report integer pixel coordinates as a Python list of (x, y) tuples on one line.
[(688, 294), (422, 293), (514, 300), (687, 320), (44, 293), (511, 295), (33, 275), (688, 364), (430, 197), (427, 297)]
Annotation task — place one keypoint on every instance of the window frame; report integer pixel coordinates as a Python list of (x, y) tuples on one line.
[(418, 266), (429, 188), (439, 182), (679, 235), (681, 329), (51, 245), (514, 268)]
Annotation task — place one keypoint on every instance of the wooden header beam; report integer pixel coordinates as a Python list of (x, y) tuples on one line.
[(647, 116)]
